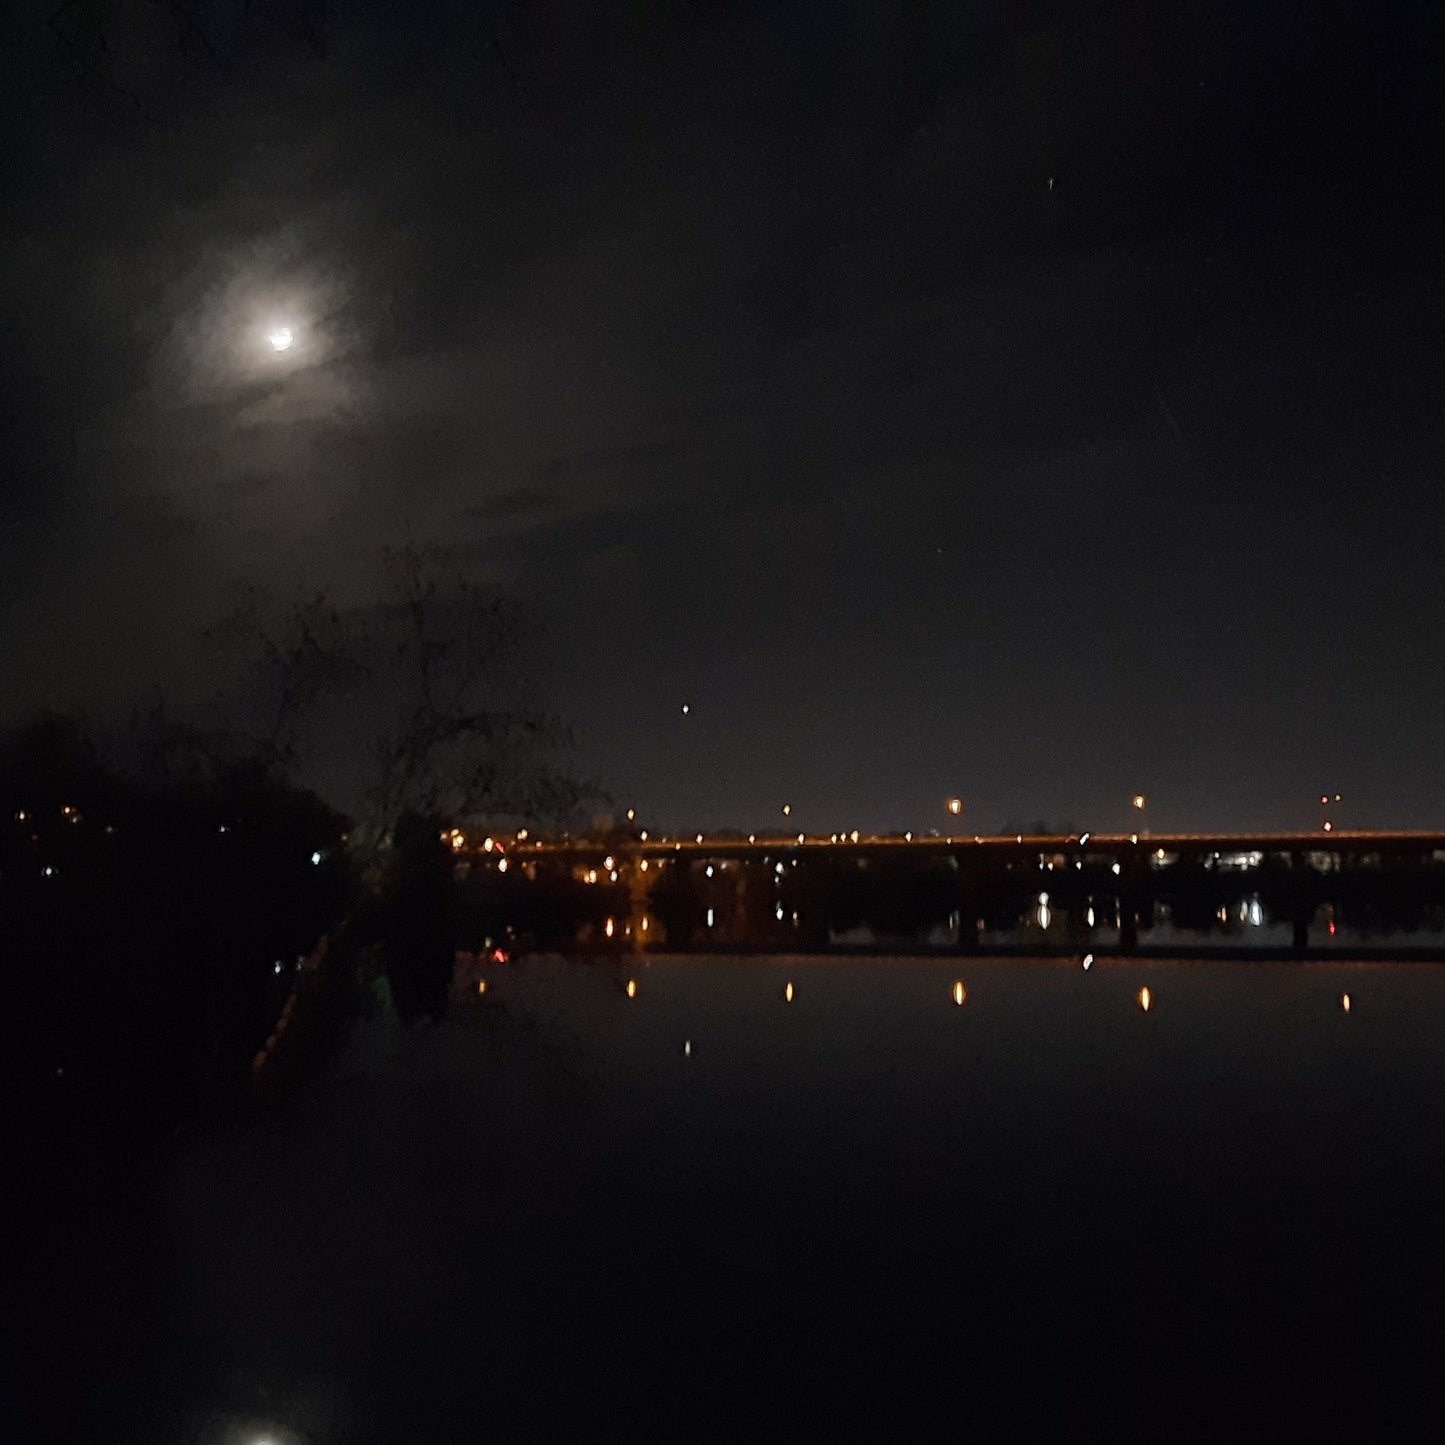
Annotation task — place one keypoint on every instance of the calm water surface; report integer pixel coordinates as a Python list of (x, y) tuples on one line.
[(705, 1209)]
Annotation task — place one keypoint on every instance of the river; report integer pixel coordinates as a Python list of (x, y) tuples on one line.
[(810, 1195)]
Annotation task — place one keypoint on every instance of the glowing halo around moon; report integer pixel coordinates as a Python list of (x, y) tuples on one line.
[(282, 338)]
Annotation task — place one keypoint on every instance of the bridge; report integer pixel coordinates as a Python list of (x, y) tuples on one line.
[(1091, 883)]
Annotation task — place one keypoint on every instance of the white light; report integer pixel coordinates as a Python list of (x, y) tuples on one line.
[(277, 968), (1256, 913), (780, 913), (710, 917), (1116, 870), (908, 837), (282, 338), (501, 865), (1083, 837), (1089, 917), (708, 870), (687, 1047), (1088, 960), (316, 857), (685, 709), (788, 993)]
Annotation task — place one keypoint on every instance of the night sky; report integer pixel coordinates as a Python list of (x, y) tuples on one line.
[(1037, 403)]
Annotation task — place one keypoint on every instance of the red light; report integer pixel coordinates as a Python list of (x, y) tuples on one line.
[(499, 955), (1332, 928)]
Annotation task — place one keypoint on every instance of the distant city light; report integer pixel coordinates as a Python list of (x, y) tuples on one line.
[(686, 1047), (1345, 1002), (787, 993), (502, 865), (1146, 999), (481, 985), (609, 928), (631, 814), (711, 916), (1088, 961), (631, 988), (959, 993), (955, 806), (787, 810)]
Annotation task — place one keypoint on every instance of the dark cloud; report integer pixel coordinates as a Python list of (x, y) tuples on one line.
[(1051, 393)]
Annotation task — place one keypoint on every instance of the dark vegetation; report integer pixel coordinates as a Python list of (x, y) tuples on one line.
[(152, 923)]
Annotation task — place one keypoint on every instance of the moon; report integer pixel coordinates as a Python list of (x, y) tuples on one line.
[(282, 338)]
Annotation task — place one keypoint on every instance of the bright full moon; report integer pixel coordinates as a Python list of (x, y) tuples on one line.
[(281, 338)]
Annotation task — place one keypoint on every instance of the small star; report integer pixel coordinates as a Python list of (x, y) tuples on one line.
[(1051, 183), (685, 709)]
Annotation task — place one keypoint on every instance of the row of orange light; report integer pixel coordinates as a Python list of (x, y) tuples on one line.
[(958, 993)]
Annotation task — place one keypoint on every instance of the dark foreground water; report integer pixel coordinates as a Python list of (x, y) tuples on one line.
[(705, 1210)]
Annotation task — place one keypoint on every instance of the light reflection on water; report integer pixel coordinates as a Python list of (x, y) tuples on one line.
[(573, 1174)]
